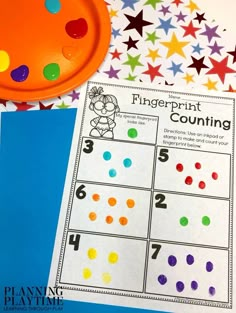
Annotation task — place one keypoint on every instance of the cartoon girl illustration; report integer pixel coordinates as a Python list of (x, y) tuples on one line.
[(105, 106)]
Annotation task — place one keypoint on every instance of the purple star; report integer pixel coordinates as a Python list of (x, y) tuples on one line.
[(210, 32), (180, 17), (112, 73), (74, 95), (164, 10), (215, 48)]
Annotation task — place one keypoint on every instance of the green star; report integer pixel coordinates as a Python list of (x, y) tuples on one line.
[(153, 3), (62, 106), (152, 37), (130, 77), (133, 61)]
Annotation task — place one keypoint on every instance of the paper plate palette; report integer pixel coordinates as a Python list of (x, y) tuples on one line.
[(48, 47)]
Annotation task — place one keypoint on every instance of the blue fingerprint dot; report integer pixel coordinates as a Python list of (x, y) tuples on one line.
[(107, 155), (127, 162), (112, 172)]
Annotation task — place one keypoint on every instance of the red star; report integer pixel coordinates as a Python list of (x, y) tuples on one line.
[(153, 71), (177, 2), (3, 102), (23, 106), (220, 68), (190, 30), (45, 107), (115, 54)]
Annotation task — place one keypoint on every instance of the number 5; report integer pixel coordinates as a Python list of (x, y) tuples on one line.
[(163, 155)]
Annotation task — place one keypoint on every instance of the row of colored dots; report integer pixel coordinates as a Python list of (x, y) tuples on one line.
[(184, 221), (112, 257), (109, 219), (172, 261), (180, 286), (198, 166), (107, 157), (112, 201), (106, 277)]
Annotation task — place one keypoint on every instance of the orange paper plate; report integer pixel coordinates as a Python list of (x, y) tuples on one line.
[(49, 47)]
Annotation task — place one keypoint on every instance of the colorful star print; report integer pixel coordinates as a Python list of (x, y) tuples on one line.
[(137, 22)]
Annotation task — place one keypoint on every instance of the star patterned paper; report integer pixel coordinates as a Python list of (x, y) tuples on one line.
[(170, 42)]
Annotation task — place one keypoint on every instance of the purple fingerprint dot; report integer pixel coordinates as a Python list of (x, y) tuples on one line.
[(209, 266), (172, 260), (194, 285), (180, 286), (162, 279), (190, 259), (212, 291)]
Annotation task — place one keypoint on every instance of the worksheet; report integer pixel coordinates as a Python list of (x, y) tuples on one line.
[(147, 214)]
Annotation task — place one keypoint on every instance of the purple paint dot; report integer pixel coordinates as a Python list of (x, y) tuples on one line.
[(209, 266), (162, 279), (212, 291), (194, 285), (180, 286), (20, 74), (172, 260), (190, 259)]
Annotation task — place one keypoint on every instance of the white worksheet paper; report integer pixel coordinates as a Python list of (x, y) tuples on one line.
[(147, 214)]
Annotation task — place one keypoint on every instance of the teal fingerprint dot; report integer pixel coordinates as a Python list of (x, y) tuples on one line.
[(183, 221), (112, 172), (127, 162), (51, 71), (107, 155), (132, 133)]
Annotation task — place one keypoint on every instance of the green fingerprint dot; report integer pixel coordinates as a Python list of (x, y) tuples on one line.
[(206, 221), (132, 133), (51, 71), (183, 221)]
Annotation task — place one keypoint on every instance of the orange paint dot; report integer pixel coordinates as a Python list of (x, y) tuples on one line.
[(109, 219), (96, 197), (123, 221), (112, 201), (92, 216), (130, 203)]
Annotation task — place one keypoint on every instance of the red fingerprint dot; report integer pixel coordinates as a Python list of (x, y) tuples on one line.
[(179, 167), (214, 175), (198, 165), (188, 180), (202, 185)]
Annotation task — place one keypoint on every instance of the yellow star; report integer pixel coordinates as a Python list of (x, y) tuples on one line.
[(113, 13), (188, 78), (175, 46), (211, 85), (153, 54), (192, 6)]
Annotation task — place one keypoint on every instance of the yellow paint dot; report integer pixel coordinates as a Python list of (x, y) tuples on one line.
[(113, 257), (87, 273), (96, 197), (92, 216), (123, 220), (106, 277), (92, 253), (4, 61), (112, 201), (109, 219), (130, 203)]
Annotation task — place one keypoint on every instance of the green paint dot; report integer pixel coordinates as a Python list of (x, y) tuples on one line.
[(132, 133), (206, 221), (183, 221), (51, 71)]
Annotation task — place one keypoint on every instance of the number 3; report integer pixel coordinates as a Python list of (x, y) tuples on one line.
[(89, 146)]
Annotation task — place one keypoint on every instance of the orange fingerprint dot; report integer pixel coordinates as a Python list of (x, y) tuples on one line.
[(109, 219), (92, 216), (130, 203), (96, 197), (112, 201), (123, 221)]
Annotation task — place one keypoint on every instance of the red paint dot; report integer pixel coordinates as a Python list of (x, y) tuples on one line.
[(188, 180), (202, 185), (214, 175), (77, 28), (198, 165), (179, 167)]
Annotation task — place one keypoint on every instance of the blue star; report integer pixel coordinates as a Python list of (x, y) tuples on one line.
[(197, 48), (129, 4), (116, 32), (175, 68), (166, 25)]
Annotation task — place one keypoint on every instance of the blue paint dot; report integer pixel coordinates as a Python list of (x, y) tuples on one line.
[(172, 260), (127, 162), (194, 285), (53, 6), (107, 155), (180, 286), (112, 172), (212, 291), (162, 279), (190, 259), (209, 266)]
